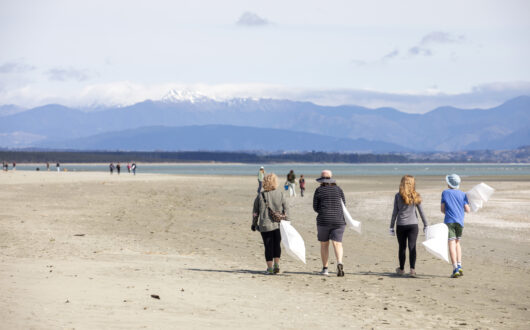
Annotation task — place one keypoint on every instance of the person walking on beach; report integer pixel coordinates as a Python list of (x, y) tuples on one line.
[(111, 168), (118, 168), (301, 182), (330, 220), (266, 203), (58, 167), (129, 168), (48, 166), (133, 168), (454, 206), (14, 166), (291, 182), (406, 201), (261, 176)]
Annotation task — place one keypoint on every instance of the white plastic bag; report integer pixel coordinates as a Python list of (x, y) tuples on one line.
[(436, 240), (478, 195), (292, 241), (353, 224)]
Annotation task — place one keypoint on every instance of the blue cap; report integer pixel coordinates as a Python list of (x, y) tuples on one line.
[(453, 180)]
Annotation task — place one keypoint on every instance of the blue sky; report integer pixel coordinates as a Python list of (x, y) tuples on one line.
[(413, 55)]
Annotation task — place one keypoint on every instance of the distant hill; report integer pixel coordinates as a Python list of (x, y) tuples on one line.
[(443, 129), (9, 109), (219, 138)]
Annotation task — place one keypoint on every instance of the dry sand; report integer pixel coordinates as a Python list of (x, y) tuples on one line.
[(187, 239)]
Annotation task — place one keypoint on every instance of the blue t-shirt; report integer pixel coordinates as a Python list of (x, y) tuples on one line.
[(454, 201)]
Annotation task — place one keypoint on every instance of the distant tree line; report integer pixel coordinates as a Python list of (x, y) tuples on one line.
[(520, 155), (193, 156)]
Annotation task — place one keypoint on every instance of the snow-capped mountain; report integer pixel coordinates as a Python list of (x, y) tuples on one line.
[(502, 127), (185, 96)]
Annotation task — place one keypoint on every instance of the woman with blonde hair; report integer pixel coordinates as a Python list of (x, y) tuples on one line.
[(270, 207), (405, 203)]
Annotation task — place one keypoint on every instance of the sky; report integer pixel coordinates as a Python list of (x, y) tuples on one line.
[(412, 55)]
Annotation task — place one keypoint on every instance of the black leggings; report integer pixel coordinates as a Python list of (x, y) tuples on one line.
[(404, 233), (271, 240)]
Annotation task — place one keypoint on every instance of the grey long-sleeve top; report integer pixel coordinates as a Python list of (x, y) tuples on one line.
[(405, 214), (277, 202)]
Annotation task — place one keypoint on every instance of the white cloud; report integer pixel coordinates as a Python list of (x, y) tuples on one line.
[(430, 40), (127, 93), (416, 50), (15, 67), (251, 19), (390, 55), (442, 38), (67, 74)]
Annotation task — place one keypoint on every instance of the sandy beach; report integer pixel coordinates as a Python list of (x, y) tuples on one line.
[(88, 251)]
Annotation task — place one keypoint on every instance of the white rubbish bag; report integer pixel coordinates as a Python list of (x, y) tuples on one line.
[(436, 240), (292, 241), (478, 195), (353, 224)]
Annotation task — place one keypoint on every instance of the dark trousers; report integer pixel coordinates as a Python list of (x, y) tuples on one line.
[(271, 241), (407, 233)]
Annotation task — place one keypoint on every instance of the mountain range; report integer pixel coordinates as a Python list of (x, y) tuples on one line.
[(200, 123)]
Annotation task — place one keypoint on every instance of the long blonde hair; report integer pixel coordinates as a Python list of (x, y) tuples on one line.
[(270, 182), (407, 190)]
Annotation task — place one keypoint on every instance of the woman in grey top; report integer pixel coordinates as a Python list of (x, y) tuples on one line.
[(269, 229), (405, 203)]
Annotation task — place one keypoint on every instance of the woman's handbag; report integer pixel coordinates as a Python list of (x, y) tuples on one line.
[(275, 216)]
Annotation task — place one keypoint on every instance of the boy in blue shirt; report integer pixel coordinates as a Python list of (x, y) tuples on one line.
[(454, 206)]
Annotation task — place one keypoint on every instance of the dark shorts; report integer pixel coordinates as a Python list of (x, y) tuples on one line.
[(326, 233), (455, 231)]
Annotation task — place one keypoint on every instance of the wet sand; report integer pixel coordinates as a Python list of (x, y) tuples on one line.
[(87, 251)]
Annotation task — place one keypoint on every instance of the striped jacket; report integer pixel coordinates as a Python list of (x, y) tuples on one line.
[(326, 202)]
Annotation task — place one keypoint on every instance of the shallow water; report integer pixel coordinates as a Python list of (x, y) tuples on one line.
[(310, 169)]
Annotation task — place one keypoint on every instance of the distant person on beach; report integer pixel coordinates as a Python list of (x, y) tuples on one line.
[(111, 168), (404, 216), (5, 167), (48, 166), (291, 182), (118, 168), (14, 166), (301, 182), (129, 168), (133, 168), (454, 206), (268, 201), (261, 176), (330, 220), (58, 167)]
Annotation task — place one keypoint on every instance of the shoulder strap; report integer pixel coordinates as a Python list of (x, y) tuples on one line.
[(263, 195)]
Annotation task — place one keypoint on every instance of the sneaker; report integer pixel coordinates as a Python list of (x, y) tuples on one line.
[(324, 271), (400, 271), (456, 273), (412, 272), (269, 271), (276, 269), (340, 270), (461, 271)]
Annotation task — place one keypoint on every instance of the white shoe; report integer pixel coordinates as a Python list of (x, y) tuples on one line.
[(324, 271)]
